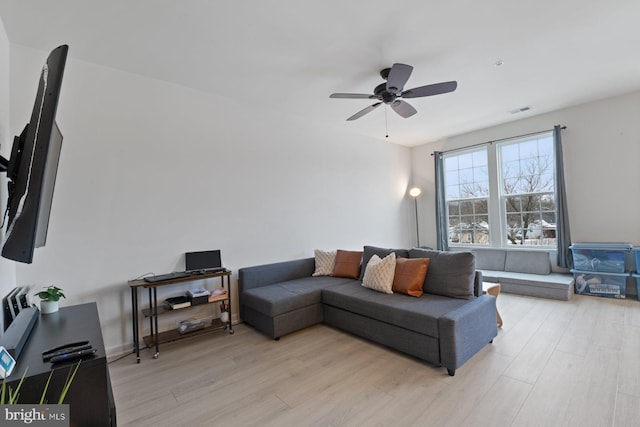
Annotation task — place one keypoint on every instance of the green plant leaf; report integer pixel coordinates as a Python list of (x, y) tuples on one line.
[(67, 384), (46, 387), (51, 293), (13, 395)]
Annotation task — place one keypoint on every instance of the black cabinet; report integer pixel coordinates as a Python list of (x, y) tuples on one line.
[(90, 396)]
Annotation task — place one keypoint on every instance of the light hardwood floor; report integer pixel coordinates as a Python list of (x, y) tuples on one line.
[(553, 363)]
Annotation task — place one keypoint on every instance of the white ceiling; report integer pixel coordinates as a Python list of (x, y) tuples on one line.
[(289, 55)]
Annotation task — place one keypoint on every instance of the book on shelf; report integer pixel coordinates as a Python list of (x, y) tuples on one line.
[(178, 302)]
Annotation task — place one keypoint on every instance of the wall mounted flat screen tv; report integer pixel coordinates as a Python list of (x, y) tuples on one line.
[(32, 167)]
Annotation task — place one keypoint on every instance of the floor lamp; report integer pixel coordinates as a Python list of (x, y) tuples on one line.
[(415, 192)]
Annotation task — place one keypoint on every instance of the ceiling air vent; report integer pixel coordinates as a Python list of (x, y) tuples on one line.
[(520, 110)]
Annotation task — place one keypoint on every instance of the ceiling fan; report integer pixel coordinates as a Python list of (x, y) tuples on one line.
[(390, 92)]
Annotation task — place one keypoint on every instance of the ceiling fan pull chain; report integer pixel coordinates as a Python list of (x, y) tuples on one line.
[(386, 125)]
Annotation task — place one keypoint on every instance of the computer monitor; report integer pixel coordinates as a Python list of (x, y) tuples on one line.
[(204, 260)]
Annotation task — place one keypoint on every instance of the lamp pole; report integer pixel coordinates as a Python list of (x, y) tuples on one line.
[(415, 192), (415, 200)]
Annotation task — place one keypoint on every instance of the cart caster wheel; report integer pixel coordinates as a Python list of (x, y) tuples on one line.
[(155, 356), (231, 332)]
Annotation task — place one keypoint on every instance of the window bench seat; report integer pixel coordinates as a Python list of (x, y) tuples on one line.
[(523, 272)]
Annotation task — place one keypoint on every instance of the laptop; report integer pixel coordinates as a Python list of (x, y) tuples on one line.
[(204, 261)]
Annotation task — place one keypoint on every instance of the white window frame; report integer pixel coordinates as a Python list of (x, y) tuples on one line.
[(502, 196), (469, 199), (496, 199)]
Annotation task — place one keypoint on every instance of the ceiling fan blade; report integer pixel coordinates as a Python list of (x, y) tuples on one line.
[(352, 96), (404, 109), (361, 113), (398, 76), (428, 90)]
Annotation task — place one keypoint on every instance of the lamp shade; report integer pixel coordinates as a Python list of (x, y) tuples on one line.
[(415, 192)]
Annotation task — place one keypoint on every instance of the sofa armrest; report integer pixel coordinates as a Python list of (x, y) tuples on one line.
[(477, 284), (268, 274), (465, 331)]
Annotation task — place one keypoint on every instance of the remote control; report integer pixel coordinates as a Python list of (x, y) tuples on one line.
[(73, 355), (68, 350), (64, 347)]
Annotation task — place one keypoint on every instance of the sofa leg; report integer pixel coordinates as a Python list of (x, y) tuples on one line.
[(451, 372), (276, 339)]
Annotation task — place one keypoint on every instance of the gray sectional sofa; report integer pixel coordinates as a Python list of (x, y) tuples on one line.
[(284, 297), (524, 272)]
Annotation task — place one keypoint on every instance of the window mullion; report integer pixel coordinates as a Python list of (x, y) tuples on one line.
[(496, 215)]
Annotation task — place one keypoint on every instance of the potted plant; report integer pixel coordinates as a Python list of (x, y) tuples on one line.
[(49, 299)]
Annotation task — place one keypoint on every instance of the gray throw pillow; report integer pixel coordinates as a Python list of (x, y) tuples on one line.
[(450, 274), (370, 251)]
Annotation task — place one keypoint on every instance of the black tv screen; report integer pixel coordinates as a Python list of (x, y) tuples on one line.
[(32, 168)]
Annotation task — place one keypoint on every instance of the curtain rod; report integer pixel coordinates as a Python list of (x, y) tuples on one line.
[(497, 140)]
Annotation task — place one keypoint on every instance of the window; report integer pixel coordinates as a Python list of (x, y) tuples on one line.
[(467, 195), (502, 194), (527, 191)]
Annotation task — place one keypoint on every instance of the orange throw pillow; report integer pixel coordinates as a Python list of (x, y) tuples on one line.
[(410, 274), (347, 264)]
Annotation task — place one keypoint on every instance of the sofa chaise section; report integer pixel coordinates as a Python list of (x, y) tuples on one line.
[(284, 297)]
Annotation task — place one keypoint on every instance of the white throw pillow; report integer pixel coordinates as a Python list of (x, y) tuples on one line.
[(379, 273), (325, 260)]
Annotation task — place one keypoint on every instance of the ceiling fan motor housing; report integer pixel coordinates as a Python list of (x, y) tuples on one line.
[(386, 96)]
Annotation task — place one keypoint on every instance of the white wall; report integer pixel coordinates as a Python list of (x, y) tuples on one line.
[(150, 170), (5, 146), (7, 268), (601, 153)]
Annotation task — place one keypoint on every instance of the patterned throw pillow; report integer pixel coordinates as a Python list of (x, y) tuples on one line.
[(325, 260), (379, 273), (369, 251)]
